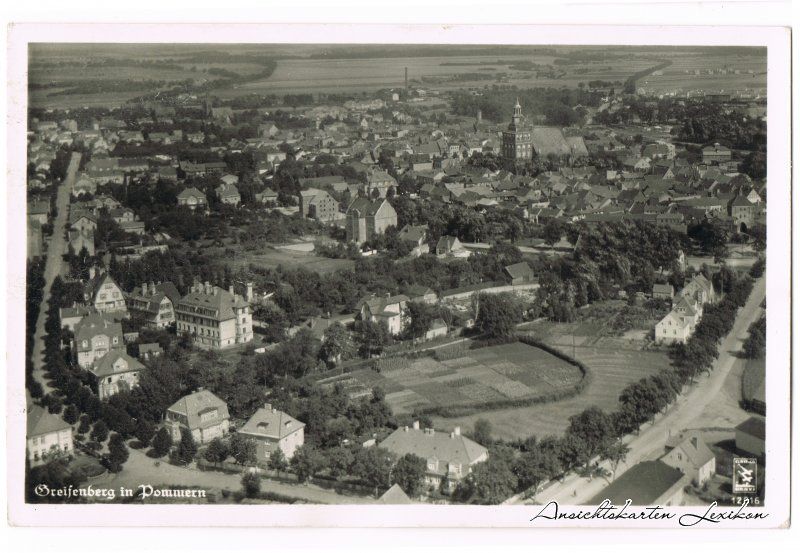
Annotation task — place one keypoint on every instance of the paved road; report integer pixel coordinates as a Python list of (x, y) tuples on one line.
[(141, 470), (685, 413), (53, 266)]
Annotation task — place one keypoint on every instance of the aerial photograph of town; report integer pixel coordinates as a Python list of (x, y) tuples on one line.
[(316, 274)]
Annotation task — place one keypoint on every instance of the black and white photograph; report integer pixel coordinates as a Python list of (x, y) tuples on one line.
[(527, 278)]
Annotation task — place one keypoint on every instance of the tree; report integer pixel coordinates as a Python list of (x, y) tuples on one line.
[(217, 451), (552, 232), (418, 318), (277, 460), (373, 465), (409, 474), (498, 314), (71, 414), (482, 432), (372, 337), (187, 447), (616, 453), (306, 462), (117, 453), (85, 424), (99, 432), (251, 484), (494, 481), (336, 344), (536, 466), (243, 449), (339, 460), (145, 430), (162, 442)]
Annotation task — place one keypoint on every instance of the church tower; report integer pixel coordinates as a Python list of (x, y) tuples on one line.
[(517, 139)]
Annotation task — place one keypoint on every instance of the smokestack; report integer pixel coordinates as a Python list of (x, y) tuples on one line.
[(248, 291)]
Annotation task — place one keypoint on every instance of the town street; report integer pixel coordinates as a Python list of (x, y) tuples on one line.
[(142, 470), (53, 266), (682, 415)]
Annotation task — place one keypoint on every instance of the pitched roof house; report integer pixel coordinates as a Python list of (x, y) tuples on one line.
[(154, 303), (214, 317), (47, 435), (449, 457), (386, 309), (202, 413), (95, 335), (367, 218), (273, 429), (451, 246), (688, 453), (647, 483), (104, 294), (192, 197), (519, 273), (116, 371)]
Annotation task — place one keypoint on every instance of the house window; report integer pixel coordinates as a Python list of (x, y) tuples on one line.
[(680, 457)]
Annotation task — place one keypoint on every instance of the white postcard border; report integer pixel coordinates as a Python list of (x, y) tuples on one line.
[(776, 39)]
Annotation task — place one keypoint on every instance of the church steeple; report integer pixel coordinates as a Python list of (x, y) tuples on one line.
[(517, 118)]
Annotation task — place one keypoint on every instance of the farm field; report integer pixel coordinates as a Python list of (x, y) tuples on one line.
[(612, 369), (470, 377), (680, 75)]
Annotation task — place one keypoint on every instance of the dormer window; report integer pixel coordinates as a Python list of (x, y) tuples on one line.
[(115, 340), (85, 344)]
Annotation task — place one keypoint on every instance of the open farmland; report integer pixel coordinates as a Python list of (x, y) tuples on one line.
[(611, 368), (710, 73), (469, 379)]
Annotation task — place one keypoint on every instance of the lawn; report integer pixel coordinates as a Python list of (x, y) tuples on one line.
[(270, 258), (612, 369), (502, 373)]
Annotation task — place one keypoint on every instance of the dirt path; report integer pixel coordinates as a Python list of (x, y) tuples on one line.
[(689, 411), (53, 266)]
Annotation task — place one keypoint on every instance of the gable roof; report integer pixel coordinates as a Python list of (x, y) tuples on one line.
[(271, 423), (106, 365), (693, 446), (194, 405), (220, 301), (96, 323), (643, 484), (191, 192), (365, 207), (519, 270), (413, 233), (395, 496), (429, 444), (40, 422), (663, 289), (753, 426)]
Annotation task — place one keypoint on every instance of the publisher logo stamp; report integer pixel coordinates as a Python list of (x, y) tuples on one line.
[(744, 475)]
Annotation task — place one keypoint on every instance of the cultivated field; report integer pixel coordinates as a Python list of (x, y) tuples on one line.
[(612, 369), (681, 74), (507, 372)]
